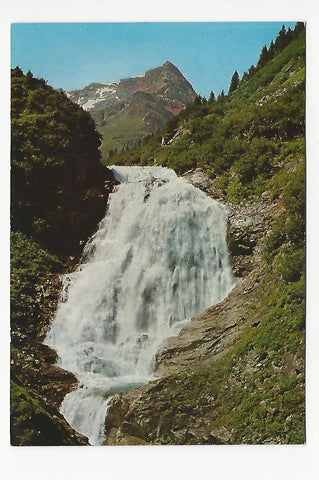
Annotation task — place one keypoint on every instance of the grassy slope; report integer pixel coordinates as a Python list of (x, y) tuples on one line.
[(127, 128), (250, 143), (119, 132), (256, 391)]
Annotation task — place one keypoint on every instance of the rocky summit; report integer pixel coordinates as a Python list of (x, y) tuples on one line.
[(129, 109)]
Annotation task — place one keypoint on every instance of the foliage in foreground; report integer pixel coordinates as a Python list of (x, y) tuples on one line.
[(30, 266)]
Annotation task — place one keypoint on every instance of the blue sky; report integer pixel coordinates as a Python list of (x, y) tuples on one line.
[(72, 55)]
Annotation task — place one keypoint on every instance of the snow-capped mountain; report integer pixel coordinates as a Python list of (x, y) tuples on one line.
[(129, 109)]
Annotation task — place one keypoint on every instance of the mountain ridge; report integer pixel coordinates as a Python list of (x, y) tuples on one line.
[(113, 105)]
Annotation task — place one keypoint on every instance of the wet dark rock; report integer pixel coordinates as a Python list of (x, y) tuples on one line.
[(199, 179), (114, 423), (35, 422)]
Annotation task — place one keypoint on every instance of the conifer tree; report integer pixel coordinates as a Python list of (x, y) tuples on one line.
[(221, 96), (298, 28), (289, 35), (245, 77), (29, 77), (271, 50), (17, 72), (264, 57), (234, 82), (198, 100), (281, 40), (212, 98), (252, 70)]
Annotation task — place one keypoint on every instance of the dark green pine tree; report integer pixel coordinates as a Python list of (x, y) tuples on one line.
[(289, 35), (198, 100), (221, 96), (264, 57), (212, 98), (252, 70), (298, 28), (281, 41), (244, 77), (29, 79), (17, 72), (271, 50), (234, 82)]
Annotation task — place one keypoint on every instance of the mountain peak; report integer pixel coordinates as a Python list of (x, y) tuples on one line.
[(147, 101), (168, 64)]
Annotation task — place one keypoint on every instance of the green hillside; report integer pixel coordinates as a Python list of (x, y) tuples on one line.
[(127, 128), (58, 196), (244, 137), (56, 172), (251, 144)]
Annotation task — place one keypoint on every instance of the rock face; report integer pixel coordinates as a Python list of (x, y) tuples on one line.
[(165, 82), (149, 414), (248, 223), (35, 422), (128, 110), (39, 386)]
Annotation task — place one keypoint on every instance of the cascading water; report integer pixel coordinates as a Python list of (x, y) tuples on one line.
[(158, 258)]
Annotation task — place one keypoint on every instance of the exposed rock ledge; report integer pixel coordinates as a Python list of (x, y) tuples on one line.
[(140, 416)]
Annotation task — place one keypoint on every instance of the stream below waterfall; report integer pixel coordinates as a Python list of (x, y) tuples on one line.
[(158, 258)]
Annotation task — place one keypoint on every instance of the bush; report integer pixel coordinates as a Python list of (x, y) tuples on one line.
[(293, 266), (257, 160), (294, 200)]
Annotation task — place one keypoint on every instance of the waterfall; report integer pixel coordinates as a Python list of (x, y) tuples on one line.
[(158, 258)]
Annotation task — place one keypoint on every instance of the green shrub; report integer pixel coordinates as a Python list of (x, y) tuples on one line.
[(293, 266)]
